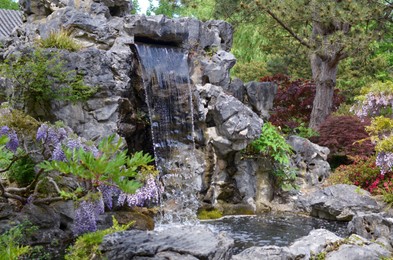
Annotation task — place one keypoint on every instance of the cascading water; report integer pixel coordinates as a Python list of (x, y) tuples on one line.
[(169, 100)]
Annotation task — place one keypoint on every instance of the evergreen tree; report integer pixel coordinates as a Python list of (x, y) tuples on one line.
[(9, 4)]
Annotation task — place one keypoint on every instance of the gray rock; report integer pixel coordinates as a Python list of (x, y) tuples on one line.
[(314, 243), (355, 248), (216, 69), (233, 124), (236, 88), (338, 202), (191, 241), (265, 253), (41, 216), (310, 160), (260, 96), (373, 226)]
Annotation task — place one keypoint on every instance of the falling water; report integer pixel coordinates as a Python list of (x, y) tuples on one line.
[(169, 100)]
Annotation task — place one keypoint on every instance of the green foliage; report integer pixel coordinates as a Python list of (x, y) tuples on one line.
[(209, 214), (112, 166), (380, 131), (23, 124), (249, 71), (9, 4), (22, 171), (271, 143), (303, 131), (41, 76), (135, 7), (71, 195), (86, 246), (60, 40), (10, 242), (5, 154)]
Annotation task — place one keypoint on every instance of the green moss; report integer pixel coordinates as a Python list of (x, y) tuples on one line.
[(209, 214)]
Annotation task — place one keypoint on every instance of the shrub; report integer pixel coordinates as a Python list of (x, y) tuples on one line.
[(363, 173), (60, 40), (345, 135), (293, 102), (249, 71)]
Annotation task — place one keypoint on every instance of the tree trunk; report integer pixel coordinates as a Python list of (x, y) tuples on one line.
[(324, 74)]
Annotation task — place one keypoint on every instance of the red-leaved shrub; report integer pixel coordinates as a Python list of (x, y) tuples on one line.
[(294, 100), (346, 136)]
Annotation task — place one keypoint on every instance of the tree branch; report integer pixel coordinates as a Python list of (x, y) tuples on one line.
[(289, 30)]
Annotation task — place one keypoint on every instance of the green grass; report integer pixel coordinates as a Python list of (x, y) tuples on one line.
[(60, 40)]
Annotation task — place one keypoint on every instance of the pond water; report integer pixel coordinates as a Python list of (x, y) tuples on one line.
[(279, 230)]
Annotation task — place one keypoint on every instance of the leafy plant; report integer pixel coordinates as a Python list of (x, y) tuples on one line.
[(39, 77), (272, 144), (9, 4), (22, 171), (11, 247), (87, 245), (60, 40)]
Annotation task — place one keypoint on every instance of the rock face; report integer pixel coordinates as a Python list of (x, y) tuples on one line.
[(175, 243), (338, 202), (260, 96), (373, 226), (310, 160)]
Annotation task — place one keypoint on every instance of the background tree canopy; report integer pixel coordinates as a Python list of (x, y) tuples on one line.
[(9, 4)]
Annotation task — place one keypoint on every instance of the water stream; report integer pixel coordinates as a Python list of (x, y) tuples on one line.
[(169, 100)]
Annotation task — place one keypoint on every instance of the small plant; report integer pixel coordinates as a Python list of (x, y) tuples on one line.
[(40, 76), (60, 40), (11, 247), (86, 246), (22, 171)]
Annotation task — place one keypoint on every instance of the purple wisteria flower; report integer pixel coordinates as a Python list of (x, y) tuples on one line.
[(86, 215), (373, 104), (108, 194), (384, 161), (148, 193), (51, 135), (13, 142)]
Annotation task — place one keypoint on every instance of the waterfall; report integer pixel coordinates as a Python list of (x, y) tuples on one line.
[(169, 100)]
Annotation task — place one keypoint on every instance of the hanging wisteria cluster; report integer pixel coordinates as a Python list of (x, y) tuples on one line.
[(86, 215), (148, 193), (384, 161), (373, 104), (13, 141)]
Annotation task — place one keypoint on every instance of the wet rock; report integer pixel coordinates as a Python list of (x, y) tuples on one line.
[(265, 252), (191, 241), (260, 96), (373, 226), (356, 247), (310, 160), (338, 202)]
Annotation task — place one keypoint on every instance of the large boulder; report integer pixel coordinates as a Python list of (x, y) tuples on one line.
[(311, 161), (260, 96), (338, 202), (231, 124), (183, 242), (373, 226), (265, 253)]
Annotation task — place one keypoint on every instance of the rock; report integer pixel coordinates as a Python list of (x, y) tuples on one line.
[(338, 202), (373, 226), (194, 242), (216, 69), (41, 216), (356, 247), (233, 125), (236, 88), (265, 253), (260, 96), (314, 243), (310, 159)]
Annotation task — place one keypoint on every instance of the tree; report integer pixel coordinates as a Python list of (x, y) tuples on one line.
[(330, 31), (9, 4)]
